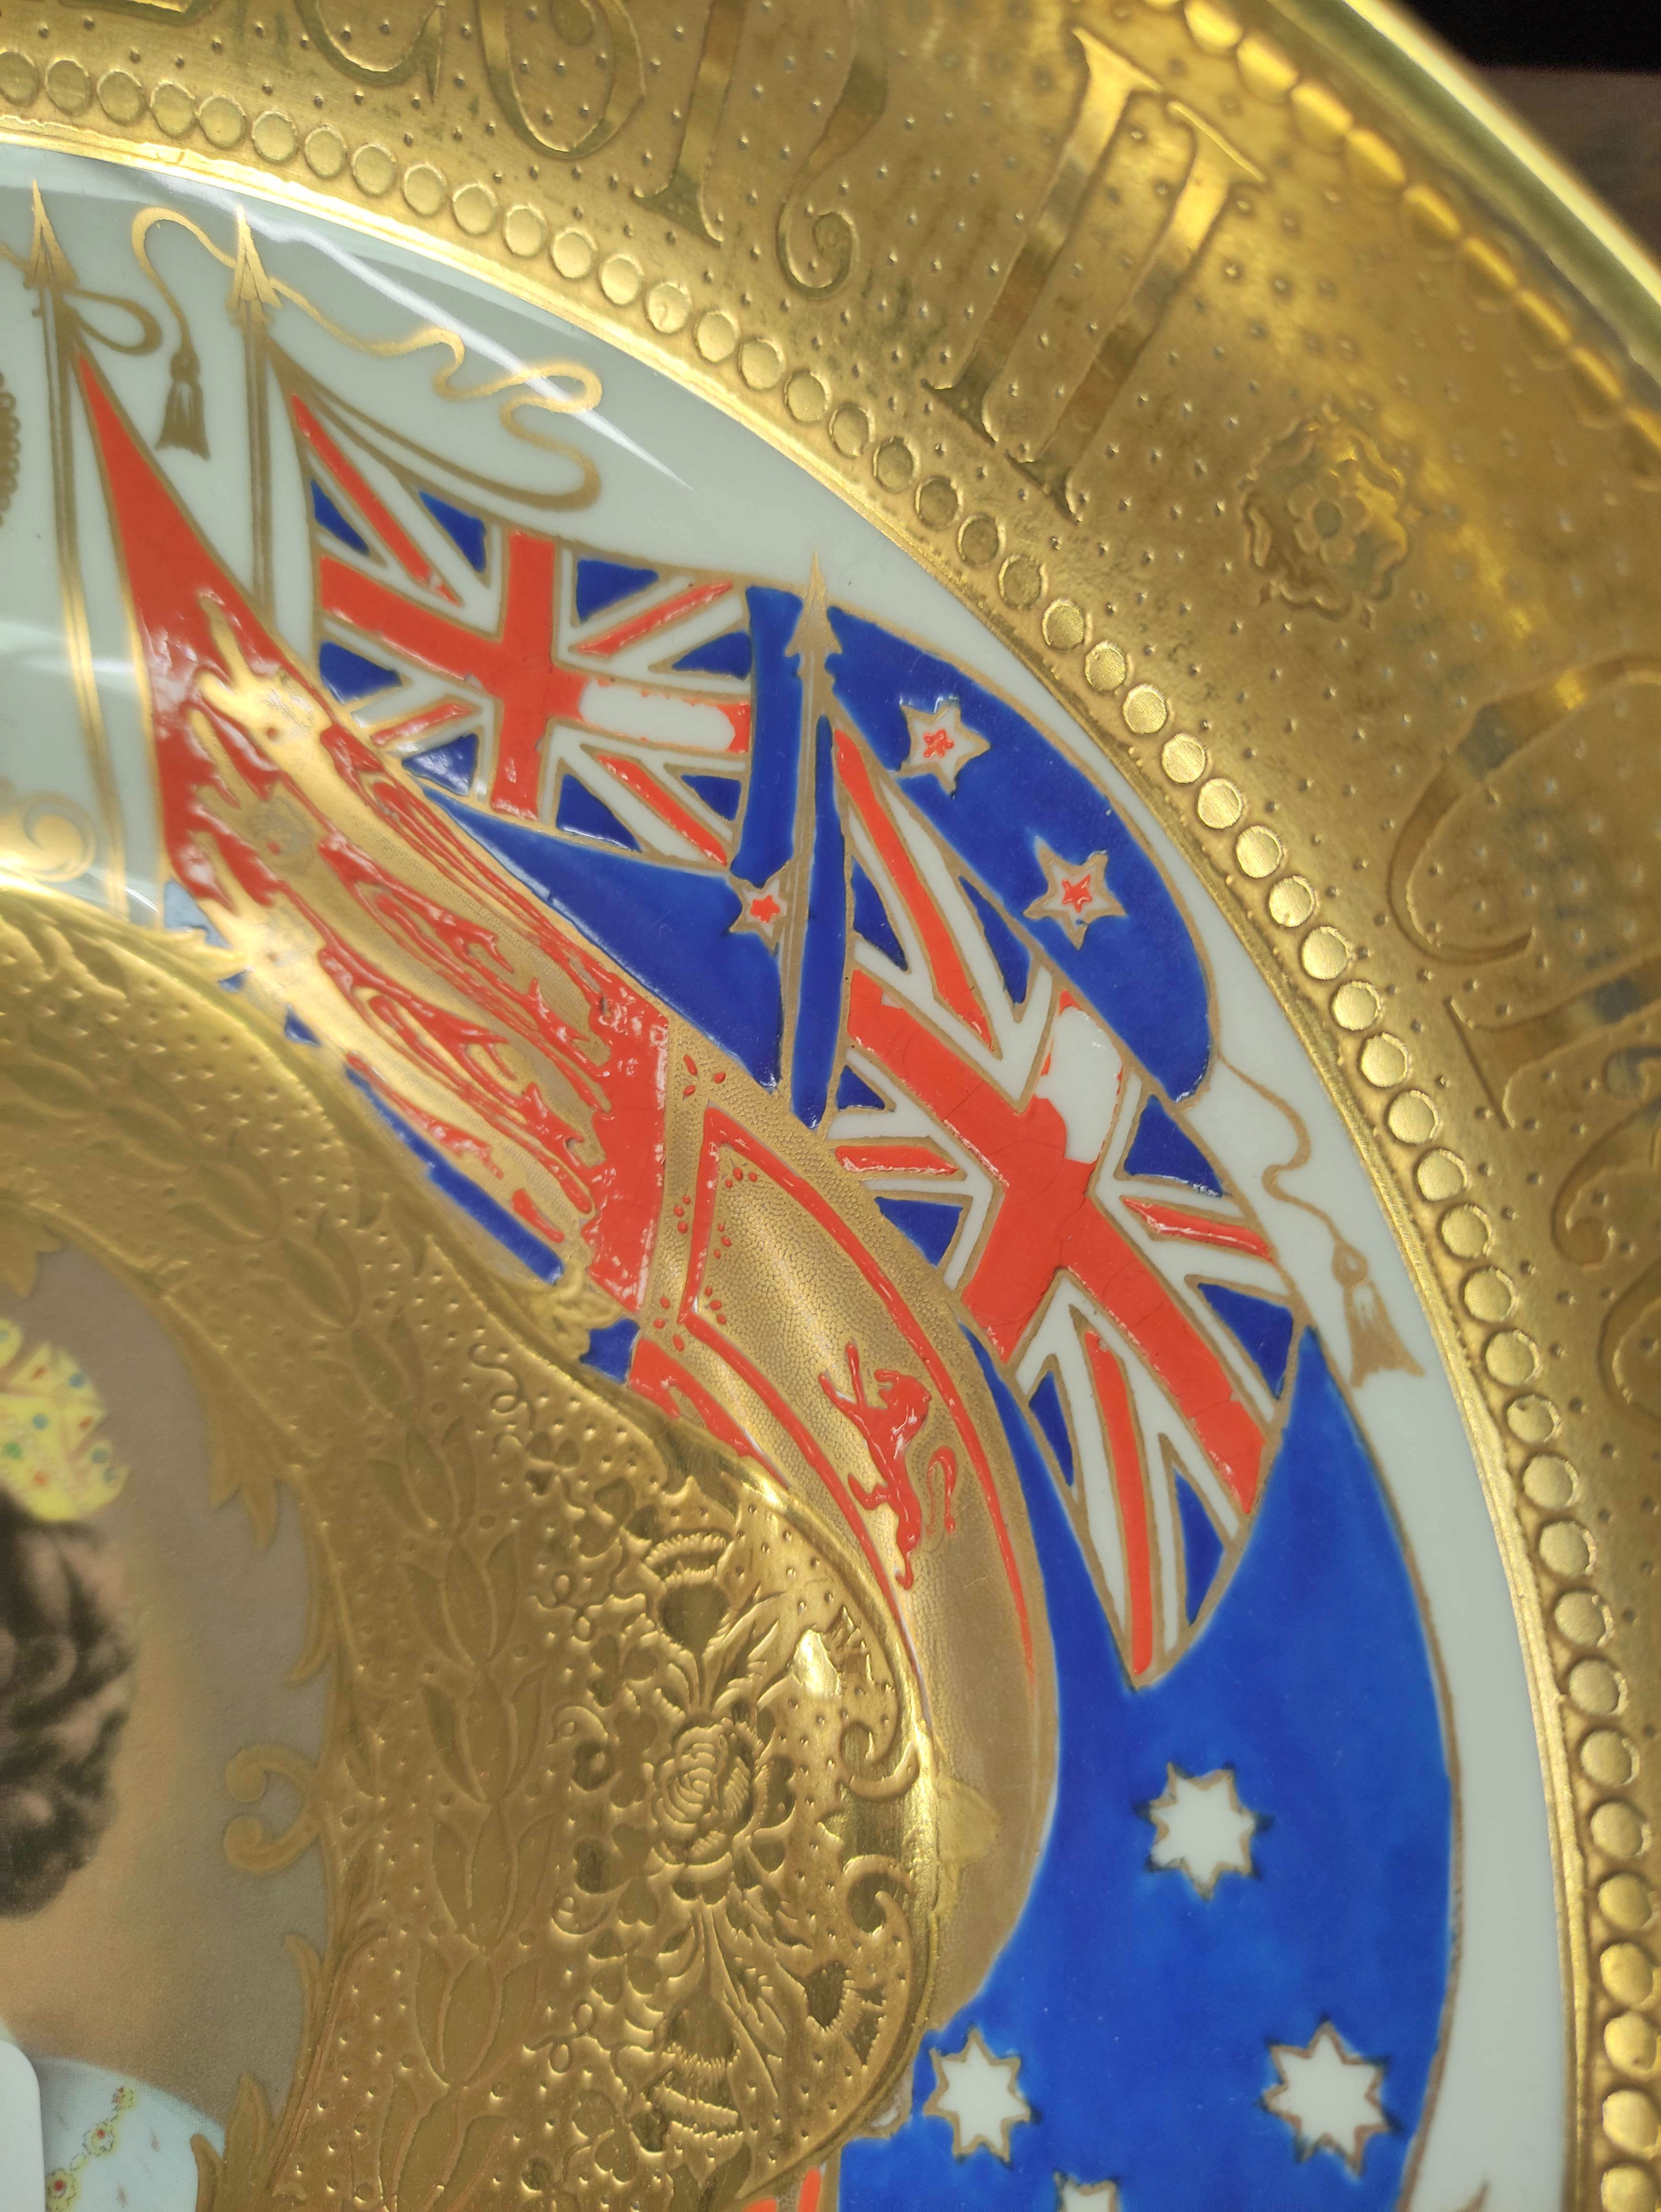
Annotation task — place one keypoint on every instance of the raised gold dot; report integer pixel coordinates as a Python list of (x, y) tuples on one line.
[(893, 464), (1580, 1617), (1511, 1358), (20, 80), (1564, 1548), (1616, 1829), (1320, 115), (373, 171), (573, 254), (1064, 625), (1432, 221), (1411, 1117), (1020, 580), (1385, 1061), (1258, 852), (1548, 1482), (1532, 1420), (1489, 1294), (1627, 2189), (1629, 2039), (806, 397), (474, 207), (978, 540), (222, 122), (1212, 29), (1183, 759), (1630, 2122), (274, 138), (423, 187), (1325, 954), (1356, 1007), (1291, 902), (1374, 163), (1490, 272), (1219, 804), (324, 151), (523, 230), (1105, 667), (1597, 384), (1546, 330), (1594, 1689), (120, 95), (1145, 710), (1625, 1901), (1266, 70), (937, 502), (620, 279), (1440, 1176), (760, 364), (1626, 1973), (172, 108), (850, 429), (1465, 1231), (69, 87)]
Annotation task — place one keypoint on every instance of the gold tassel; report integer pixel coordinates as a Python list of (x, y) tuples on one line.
[(182, 422), (1374, 1345)]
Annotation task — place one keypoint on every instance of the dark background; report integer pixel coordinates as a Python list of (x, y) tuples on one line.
[(1585, 75), (1573, 34)]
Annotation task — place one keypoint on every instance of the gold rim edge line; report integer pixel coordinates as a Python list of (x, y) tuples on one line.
[(1476, 133)]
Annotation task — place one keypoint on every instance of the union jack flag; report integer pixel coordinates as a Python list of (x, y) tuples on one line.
[(874, 883)]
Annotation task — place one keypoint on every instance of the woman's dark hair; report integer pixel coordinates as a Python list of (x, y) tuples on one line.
[(65, 1688)]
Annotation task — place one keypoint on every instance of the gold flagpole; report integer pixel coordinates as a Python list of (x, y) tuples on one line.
[(50, 276)]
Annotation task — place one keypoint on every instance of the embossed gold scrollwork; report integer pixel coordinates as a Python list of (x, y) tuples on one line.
[(44, 836), (555, 387), (626, 1808), (247, 1844)]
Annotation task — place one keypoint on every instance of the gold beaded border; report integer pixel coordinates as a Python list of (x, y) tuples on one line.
[(1609, 1830)]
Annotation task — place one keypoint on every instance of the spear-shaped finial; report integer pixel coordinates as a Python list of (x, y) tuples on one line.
[(49, 269), (50, 274), (253, 296), (814, 637)]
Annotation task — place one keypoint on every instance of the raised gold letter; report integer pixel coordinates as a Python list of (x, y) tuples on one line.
[(1214, 169)]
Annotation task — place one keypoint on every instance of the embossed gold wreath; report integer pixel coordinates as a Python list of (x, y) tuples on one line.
[(626, 1812)]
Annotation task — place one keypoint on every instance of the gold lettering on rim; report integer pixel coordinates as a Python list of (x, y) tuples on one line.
[(1592, 1212), (625, 91), (863, 96), (1216, 169)]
